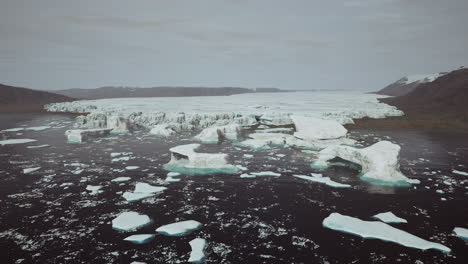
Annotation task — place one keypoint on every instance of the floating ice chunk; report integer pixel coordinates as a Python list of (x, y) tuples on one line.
[(262, 127), (13, 129), (130, 221), (30, 170), (134, 197), (171, 177), (125, 158), (461, 232), (389, 217), (164, 130), (38, 146), (132, 167), (216, 134), (76, 172), (94, 189), (142, 187), (276, 118), (379, 162), (460, 172), (38, 128), (116, 154), (280, 155), (378, 230), (274, 130), (324, 180), (248, 156), (173, 174), (246, 175), (138, 262), (81, 135), (120, 179), (242, 168), (140, 239), (311, 128), (118, 124), (197, 255), (255, 144), (266, 173), (180, 228), (184, 159), (16, 141)]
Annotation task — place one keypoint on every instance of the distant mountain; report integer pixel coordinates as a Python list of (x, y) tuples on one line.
[(14, 99), (125, 92), (446, 96), (408, 84)]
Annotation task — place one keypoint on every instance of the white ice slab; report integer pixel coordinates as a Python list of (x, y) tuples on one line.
[(378, 230), (142, 187), (17, 129), (132, 167), (130, 221), (312, 128), (197, 255), (30, 170), (460, 172), (38, 128), (38, 146), (16, 141), (215, 134), (389, 217), (164, 130), (140, 239), (94, 189), (461, 232), (324, 180), (134, 197), (180, 228), (266, 173), (121, 179), (82, 135)]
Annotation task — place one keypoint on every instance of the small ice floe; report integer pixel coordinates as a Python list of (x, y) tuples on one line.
[(138, 262), (311, 128), (125, 158), (275, 130), (38, 128), (256, 144), (164, 130), (130, 221), (248, 156), (325, 180), (440, 191), (266, 174), (30, 170), (213, 135), (197, 255), (379, 162), (180, 228), (81, 135), (242, 168), (246, 175), (94, 189), (172, 177), (389, 217), (120, 179), (378, 230), (140, 239), (461, 232), (132, 167), (16, 141), (184, 159), (460, 172), (38, 146), (142, 191), (77, 171), (280, 155), (17, 129), (117, 154)]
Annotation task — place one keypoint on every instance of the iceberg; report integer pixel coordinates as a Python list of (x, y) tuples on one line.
[(312, 128), (16, 141), (82, 135), (379, 162), (130, 221), (118, 124), (121, 179), (140, 239), (461, 232), (197, 255), (324, 180), (30, 170), (164, 130), (389, 217), (180, 228), (185, 160), (213, 135), (378, 230)]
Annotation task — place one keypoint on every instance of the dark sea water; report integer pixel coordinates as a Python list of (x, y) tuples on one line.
[(49, 217)]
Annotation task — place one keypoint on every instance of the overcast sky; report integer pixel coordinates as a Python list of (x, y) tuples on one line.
[(335, 44)]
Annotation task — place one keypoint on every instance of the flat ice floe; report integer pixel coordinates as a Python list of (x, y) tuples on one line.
[(266, 174), (140, 239), (184, 159), (172, 177), (378, 230), (460, 172), (130, 221), (164, 130), (379, 162), (30, 170), (312, 128), (82, 135), (180, 228), (38, 146), (461, 232), (94, 189), (213, 135), (16, 141), (142, 191), (121, 179), (389, 217), (38, 128), (325, 180), (197, 255)]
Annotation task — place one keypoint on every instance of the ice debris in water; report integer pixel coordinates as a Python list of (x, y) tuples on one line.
[(172, 177), (16, 141), (164, 130), (38, 146), (461, 232), (216, 134), (378, 230), (30, 170), (94, 189), (142, 191), (325, 180), (266, 173), (197, 255), (132, 167), (180, 228), (312, 128), (140, 239), (379, 162), (130, 221), (82, 135), (38, 128), (389, 217), (185, 160), (17, 129), (120, 179), (460, 172)]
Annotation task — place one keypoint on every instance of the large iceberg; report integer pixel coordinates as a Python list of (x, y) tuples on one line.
[(184, 159), (130, 221), (81, 135), (180, 228), (312, 128), (378, 230), (197, 255), (218, 133), (379, 162)]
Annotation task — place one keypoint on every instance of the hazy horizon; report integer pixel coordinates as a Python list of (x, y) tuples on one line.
[(353, 44)]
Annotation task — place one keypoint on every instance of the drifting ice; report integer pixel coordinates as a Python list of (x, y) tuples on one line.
[(197, 255), (142, 191), (164, 130), (389, 217), (378, 230), (460, 172), (30, 170), (130, 221), (180, 228), (140, 239), (311, 128), (379, 162), (185, 160), (461, 232), (16, 141), (216, 134), (325, 180), (81, 135)]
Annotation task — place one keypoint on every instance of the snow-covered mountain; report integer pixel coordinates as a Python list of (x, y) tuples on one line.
[(407, 84)]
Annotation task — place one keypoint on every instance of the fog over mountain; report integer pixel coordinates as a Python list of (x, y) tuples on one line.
[(347, 44)]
